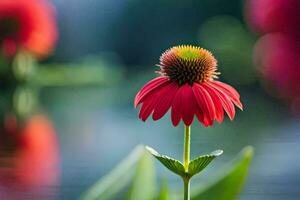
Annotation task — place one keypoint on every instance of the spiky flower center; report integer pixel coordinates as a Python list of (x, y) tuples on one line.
[(188, 64)]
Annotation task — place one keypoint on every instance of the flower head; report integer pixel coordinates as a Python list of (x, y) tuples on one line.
[(187, 86), (188, 64), (27, 24)]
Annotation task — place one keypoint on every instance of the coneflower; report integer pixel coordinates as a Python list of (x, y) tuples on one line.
[(187, 85)]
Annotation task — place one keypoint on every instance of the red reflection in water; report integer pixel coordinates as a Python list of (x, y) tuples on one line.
[(31, 170)]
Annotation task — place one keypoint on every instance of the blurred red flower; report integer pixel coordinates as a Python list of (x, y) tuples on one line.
[(266, 16), (276, 53), (277, 56), (186, 86), (28, 25)]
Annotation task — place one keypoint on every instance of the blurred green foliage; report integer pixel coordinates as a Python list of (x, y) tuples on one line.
[(143, 184), (229, 182), (110, 185), (164, 192), (22, 78), (138, 170), (232, 44)]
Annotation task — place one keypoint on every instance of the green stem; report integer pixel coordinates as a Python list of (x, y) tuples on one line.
[(186, 151), (186, 160), (186, 183)]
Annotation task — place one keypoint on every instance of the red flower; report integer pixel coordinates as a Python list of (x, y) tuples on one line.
[(277, 56), (276, 53), (186, 86), (274, 15), (27, 24)]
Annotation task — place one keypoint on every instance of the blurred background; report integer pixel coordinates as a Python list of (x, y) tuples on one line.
[(69, 71)]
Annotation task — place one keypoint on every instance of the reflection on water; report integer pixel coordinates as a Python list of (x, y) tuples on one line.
[(29, 168), (94, 137)]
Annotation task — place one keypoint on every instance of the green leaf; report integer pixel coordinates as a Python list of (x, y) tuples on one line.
[(170, 163), (198, 164), (164, 191), (228, 184), (111, 184), (143, 185)]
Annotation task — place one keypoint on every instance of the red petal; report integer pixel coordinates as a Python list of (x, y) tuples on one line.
[(176, 108), (226, 102), (189, 104), (204, 101), (229, 91), (165, 99), (204, 119), (217, 102), (148, 105), (148, 88)]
